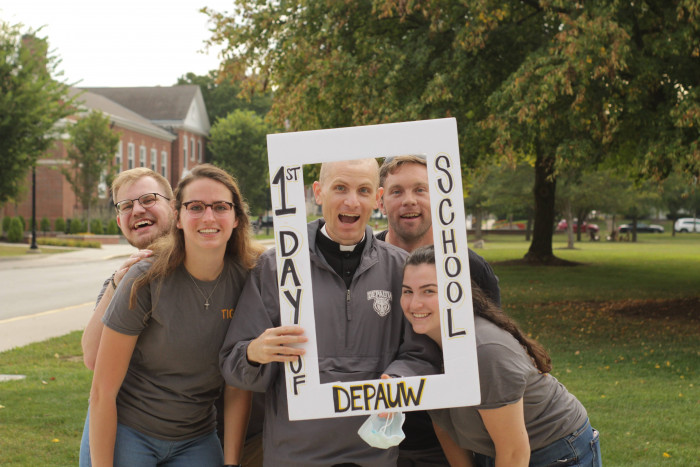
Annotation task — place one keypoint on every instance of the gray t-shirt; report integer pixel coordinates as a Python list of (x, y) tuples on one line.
[(173, 377), (507, 374)]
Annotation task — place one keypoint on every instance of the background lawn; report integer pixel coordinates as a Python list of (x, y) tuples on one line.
[(23, 249), (622, 329)]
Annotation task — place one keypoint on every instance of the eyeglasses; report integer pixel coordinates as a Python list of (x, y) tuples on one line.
[(147, 200), (219, 208)]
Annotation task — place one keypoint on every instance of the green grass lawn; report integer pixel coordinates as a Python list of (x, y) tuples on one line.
[(22, 249), (623, 329)]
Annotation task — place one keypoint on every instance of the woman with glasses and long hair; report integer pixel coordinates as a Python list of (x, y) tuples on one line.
[(157, 370), (526, 417)]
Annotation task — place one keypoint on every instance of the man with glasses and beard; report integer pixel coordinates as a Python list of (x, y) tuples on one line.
[(142, 200)]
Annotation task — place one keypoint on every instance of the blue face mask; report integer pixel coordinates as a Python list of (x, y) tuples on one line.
[(383, 433)]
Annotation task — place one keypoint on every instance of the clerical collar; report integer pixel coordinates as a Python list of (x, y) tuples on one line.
[(341, 247)]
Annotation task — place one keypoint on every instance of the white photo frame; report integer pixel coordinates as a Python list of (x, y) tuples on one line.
[(437, 140)]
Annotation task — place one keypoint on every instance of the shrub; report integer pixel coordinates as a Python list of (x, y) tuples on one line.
[(6, 224), (112, 227), (24, 223), (76, 226), (96, 227), (45, 224), (59, 225), (15, 233), (68, 242)]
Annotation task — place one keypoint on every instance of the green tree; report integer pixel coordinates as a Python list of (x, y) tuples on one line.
[(509, 192), (31, 104), (476, 184), (76, 226), (15, 232), (96, 226), (675, 197), (238, 145), (112, 228), (223, 95), (45, 224), (6, 224), (92, 147), (637, 201), (580, 192), (563, 83), (59, 225)]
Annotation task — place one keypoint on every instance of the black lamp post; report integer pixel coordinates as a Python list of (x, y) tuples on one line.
[(34, 245)]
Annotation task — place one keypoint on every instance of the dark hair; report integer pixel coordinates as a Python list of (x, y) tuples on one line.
[(169, 251), (488, 310)]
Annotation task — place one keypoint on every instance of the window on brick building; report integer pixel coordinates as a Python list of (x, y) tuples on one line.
[(199, 151), (130, 163), (102, 186), (118, 157), (142, 156), (154, 159), (184, 151), (164, 163), (192, 149)]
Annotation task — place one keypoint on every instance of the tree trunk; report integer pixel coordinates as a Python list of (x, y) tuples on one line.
[(581, 218), (88, 216), (478, 213), (674, 218), (569, 225), (540, 251), (528, 229)]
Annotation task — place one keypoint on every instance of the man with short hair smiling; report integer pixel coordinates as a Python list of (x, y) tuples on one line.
[(355, 339), (142, 199), (406, 204)]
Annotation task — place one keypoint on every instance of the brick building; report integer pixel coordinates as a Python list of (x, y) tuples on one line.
[(164, 128)]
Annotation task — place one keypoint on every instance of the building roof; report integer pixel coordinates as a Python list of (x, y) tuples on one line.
[(119, 114), (165, 106), (154, 103)]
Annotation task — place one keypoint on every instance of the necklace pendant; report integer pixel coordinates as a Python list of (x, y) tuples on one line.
[(206, 305)]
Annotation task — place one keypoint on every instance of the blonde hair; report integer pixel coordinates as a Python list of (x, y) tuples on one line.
[(392, 164), (132, 175), (169, 251)]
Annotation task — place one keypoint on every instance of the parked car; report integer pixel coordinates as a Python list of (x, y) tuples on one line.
[(641, 228), (685, 224), (262, 222), (585, 228)]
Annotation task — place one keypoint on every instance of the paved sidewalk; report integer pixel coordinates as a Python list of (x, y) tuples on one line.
[(24, 330), (79, 255)]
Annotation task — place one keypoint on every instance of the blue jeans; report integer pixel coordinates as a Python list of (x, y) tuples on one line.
[(135, 449), (579, 449)]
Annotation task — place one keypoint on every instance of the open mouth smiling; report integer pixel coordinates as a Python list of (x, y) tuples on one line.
[(142, 223), (420, 315), (348, 218), (410, 215)]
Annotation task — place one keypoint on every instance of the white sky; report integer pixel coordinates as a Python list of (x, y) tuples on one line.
[(122, 42)]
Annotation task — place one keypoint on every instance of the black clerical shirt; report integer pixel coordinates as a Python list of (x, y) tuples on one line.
[(344, 263)]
